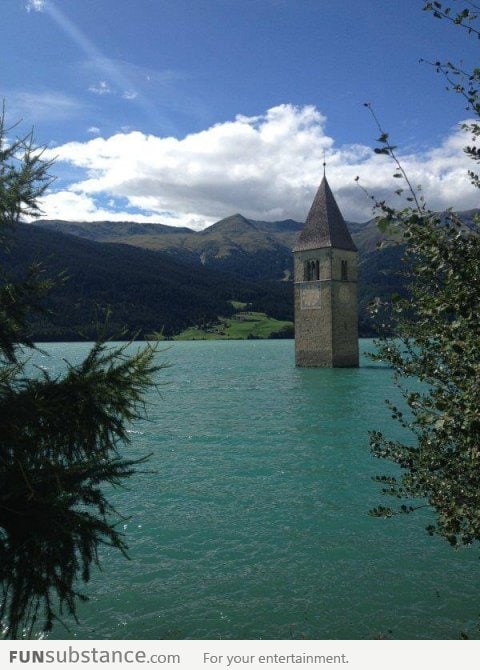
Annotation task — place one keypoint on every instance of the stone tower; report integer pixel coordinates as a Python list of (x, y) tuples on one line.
[(325, 267)]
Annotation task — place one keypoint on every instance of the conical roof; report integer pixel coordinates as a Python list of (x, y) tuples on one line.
[(325, 225)]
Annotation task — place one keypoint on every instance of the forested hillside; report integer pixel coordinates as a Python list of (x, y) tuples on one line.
[(146, 291), (253, 251), (160, 278), (250, 249)]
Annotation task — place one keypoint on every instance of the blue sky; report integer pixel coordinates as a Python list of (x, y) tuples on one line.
[(185, 111)]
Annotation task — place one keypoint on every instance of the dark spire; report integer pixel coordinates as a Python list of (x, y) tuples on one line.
[(325, 226)]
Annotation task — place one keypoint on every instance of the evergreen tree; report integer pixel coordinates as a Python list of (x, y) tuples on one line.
[(60, 436), (436, 353)]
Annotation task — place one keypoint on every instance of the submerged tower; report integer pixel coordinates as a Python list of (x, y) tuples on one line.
[(325, 277)]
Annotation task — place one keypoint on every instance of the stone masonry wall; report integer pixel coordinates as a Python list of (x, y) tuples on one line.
[(326, 330)]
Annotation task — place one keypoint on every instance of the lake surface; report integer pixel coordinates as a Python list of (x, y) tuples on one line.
[(255, 522)]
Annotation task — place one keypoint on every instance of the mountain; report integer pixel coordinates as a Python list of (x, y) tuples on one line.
[(197, 273), (253, 250), (146, 291), (249, 249), (241, 248)]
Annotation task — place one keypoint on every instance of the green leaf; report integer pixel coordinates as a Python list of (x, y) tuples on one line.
[(383, 225)]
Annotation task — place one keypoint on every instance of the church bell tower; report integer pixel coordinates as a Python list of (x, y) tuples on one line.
[(325, 277)]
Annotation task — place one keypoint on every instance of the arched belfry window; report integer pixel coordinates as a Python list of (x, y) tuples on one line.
[(344, 270), (311, 270)]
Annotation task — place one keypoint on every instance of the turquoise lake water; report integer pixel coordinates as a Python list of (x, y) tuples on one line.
[(255, 523)]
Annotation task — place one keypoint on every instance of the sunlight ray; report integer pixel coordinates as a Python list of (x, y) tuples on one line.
[(107, 66)]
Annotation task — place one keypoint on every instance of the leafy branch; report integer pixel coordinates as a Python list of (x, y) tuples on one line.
[(464, 18), (435, 354)]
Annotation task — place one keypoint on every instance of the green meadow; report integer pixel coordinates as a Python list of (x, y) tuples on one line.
[(241, 326)]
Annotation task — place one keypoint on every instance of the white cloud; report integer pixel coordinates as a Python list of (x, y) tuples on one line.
[(35, 5), (84, 208), (102, 88), (266, 167), (130, 95), (93, 130)]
